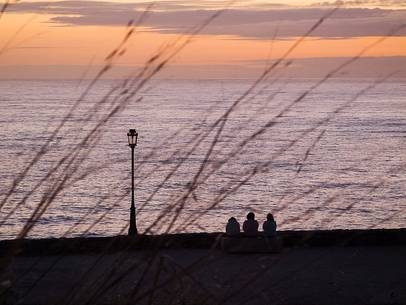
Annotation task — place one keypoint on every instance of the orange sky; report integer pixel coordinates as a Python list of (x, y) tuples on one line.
[(29, 39)]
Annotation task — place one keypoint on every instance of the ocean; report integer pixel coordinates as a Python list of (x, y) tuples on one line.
[(330, 157)]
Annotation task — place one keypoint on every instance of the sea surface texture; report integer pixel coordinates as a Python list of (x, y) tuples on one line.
[(318, 157)]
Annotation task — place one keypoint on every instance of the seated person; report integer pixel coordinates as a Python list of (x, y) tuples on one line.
[(250, 226), (232, 227), (269, 226)]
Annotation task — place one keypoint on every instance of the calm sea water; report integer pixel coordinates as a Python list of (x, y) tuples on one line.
[(333, 160)]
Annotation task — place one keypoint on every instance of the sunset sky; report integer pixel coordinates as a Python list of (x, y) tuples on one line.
[(62, 39)]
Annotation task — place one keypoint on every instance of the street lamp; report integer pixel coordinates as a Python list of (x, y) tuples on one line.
[(132, 142)]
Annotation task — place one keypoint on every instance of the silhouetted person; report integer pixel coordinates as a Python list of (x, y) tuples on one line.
[(250, 226), (269, 226), (232, 227)]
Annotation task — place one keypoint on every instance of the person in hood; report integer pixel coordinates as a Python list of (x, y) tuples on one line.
[(232, 227)]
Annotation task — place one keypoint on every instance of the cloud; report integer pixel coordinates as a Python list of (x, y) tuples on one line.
[(252, 22), (366, 67), (358, 3)]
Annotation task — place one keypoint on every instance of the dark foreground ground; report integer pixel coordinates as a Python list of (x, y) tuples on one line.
[(320, 267)]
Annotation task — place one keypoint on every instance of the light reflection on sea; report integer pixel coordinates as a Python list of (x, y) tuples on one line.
[(352, 178)]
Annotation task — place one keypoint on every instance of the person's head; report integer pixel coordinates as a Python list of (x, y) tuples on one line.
[(251, 215), (269, 217), (232, 219)]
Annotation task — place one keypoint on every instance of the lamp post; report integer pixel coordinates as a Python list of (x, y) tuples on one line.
[(132, 142)]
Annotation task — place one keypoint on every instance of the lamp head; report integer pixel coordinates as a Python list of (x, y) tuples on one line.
[(132, 137)]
